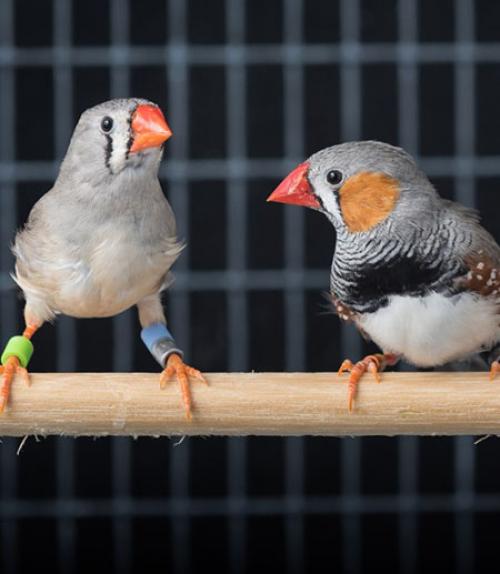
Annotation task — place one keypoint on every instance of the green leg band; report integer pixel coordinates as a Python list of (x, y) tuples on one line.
[(19, 347)]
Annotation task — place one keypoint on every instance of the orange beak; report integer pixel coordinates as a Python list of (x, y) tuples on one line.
[(149, 128), (296, 189)]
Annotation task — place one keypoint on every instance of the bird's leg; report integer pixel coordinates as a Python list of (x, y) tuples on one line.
[(494, 361), (162, 346), (494, 369), (176, 366), (15, 359), (372, 363)]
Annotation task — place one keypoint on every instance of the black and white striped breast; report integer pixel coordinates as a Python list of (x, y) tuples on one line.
[(367, 271)]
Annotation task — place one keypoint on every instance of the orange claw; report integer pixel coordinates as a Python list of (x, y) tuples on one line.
[(175, 365), (8, 372), (371, 363)]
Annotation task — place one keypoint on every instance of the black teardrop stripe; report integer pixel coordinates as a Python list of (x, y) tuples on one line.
[(109, 150), (130, 140)]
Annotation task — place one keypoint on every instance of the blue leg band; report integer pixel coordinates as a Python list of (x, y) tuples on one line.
[(159, 342)]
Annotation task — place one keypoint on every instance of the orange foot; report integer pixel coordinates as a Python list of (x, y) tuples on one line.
[(372, 363), (8, 372), (175, 365), (494, 369)]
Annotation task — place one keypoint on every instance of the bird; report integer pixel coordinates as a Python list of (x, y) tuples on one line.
[(417, 274), (103, 238)]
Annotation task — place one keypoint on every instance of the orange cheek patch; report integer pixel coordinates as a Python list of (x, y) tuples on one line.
[(366, 199)]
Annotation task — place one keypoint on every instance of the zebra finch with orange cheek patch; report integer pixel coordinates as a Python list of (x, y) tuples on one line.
[(416, 273)]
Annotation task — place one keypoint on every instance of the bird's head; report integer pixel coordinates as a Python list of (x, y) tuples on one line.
[(117, 136), (358, 185)]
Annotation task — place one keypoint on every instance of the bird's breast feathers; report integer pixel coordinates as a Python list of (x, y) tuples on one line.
[(118, 272), (107, 275), (434, 329)]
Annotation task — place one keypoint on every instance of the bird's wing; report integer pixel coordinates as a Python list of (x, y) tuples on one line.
[(482, 274), (477, 250), (42, 256)]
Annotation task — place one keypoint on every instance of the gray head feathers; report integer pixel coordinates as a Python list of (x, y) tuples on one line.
[(417, 200), (98, 155)]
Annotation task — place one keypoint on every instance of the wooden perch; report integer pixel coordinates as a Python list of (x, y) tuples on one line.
[(254, 404)]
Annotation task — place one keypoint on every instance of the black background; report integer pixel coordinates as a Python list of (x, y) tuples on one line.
[(153, 545)]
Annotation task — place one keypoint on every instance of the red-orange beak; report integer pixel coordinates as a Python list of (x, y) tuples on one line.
[(149, 128), (296, 189)]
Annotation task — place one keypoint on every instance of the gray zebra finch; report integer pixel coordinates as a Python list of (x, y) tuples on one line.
[(103, 238), (417, 274)]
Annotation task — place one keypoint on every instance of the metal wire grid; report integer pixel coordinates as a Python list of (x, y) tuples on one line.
[(7, 209), (236, 280)]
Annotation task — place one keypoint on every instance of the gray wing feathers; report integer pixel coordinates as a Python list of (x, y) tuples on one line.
[(471, 238)]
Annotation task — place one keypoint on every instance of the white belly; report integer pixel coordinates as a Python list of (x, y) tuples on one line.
[(434, 329)]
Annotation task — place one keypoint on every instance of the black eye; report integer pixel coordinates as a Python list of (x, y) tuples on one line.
[(107, 124), (333, 177)]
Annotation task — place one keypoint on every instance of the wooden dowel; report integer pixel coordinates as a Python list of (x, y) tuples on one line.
[(254, 404)]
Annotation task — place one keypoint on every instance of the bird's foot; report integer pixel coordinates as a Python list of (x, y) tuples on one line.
[(371, 363), (176, 366), (8, 371), (494, 369)]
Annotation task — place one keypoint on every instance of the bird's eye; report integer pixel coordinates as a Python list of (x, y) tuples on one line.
[(107, 124), (334, 177)]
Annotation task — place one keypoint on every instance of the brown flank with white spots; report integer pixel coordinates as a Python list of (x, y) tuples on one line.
[(483, 276), (342, 311)]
